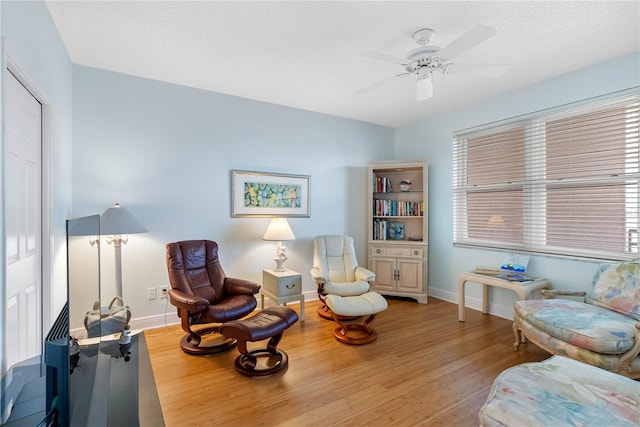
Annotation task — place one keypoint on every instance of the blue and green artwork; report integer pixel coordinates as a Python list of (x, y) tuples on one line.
[(260, 194)]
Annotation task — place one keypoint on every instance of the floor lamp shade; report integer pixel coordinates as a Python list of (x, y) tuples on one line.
[(118, 222)]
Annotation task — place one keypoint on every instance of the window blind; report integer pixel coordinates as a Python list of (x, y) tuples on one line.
[(561, 182)]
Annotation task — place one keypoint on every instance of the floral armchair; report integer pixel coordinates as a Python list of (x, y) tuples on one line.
[(603, 331)]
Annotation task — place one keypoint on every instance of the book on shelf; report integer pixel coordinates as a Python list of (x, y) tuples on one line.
[(488, 271), (515, 277), (380, 229), (383, 207), (382, 184)]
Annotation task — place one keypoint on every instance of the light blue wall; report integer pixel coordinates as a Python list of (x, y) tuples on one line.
[(32, 42), (431, 138), (165, 152)]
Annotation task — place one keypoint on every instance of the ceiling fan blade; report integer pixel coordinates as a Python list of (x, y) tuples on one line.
[(471, 38), (384, 57), (373, 86), (379, 83), (485, 70)]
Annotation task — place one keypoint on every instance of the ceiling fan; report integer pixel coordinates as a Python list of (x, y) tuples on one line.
[(425, 60)]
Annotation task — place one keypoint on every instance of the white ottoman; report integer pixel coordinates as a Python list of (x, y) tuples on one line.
[(368, 304)]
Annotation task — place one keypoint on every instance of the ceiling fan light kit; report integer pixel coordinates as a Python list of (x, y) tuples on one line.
[(426, 59), (424, 86)]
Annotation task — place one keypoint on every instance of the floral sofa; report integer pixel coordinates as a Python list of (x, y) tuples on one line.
[(603, 331), (561, 392)]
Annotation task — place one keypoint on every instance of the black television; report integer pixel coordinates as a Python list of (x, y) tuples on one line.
[(70, 371)]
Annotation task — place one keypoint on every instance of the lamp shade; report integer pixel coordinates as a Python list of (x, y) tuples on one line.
[(85, 226), (118, 220), (278, 230)]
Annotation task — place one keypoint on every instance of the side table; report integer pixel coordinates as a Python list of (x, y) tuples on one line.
[(282, 287), (523, 289)]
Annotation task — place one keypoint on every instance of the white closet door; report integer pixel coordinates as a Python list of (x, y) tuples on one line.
[(23, 198)]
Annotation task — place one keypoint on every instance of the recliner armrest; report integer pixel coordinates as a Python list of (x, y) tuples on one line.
[(191, 303), (364, 274), (552, 293), (235, 286), (317, 276)]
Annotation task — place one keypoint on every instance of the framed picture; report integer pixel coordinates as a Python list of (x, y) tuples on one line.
[(264, 194), (396, 230)]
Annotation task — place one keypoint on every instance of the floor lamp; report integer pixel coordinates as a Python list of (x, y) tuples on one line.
[(116, 223)]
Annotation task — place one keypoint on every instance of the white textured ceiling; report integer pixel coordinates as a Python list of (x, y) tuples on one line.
[(307, 54)]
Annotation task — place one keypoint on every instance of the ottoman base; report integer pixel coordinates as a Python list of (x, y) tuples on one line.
[(269, 323), (368, 304)]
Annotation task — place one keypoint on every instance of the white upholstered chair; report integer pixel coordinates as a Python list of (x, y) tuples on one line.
[(336, 270)]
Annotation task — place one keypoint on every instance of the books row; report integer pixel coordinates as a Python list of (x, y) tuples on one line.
[(383, 230), (397, 208), (381, 184)]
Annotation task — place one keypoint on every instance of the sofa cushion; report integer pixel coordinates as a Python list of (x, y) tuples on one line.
[(561, 392), (583, 325), (617, 287)]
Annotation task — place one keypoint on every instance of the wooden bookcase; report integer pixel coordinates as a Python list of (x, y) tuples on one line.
[(398, 228)]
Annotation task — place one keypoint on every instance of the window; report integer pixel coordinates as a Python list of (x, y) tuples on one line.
[(562, 182)]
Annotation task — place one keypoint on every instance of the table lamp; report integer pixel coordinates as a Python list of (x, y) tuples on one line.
[(279, 230)]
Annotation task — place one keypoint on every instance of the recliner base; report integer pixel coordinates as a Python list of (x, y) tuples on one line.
[(194, 345)]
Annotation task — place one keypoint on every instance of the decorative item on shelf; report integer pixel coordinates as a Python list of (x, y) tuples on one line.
[(405, 185), (396, 230), (279, 230)]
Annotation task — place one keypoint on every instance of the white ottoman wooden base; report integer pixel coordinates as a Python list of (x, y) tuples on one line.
[(368, 304)]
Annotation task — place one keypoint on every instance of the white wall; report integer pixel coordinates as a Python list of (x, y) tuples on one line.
[(32, 43), (431, 138), (165, 152)]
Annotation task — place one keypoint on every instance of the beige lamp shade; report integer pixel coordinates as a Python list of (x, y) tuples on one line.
[(279, 230)]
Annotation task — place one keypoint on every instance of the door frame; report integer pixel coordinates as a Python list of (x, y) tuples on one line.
[(9, 64)]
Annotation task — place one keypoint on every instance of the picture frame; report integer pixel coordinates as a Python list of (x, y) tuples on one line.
[(396, 230), (266, 194)]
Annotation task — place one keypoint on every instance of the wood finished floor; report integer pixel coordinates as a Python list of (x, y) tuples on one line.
[(425, 369)]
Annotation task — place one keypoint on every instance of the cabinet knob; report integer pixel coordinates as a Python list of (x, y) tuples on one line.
[(416, 252), (378, 251)]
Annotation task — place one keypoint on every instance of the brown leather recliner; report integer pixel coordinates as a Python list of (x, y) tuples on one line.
[(203, 294)]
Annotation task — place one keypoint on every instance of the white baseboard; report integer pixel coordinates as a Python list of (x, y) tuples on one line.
[(473, 303), (171, 318)]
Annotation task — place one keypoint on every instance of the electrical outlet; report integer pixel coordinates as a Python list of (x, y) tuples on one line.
[(164, 291), (151, 293)]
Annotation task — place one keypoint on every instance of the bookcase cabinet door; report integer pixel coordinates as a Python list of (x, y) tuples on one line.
[(409, 275), (385, 269)]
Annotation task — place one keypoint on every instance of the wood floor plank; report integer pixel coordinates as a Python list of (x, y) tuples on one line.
[(425, 369)]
